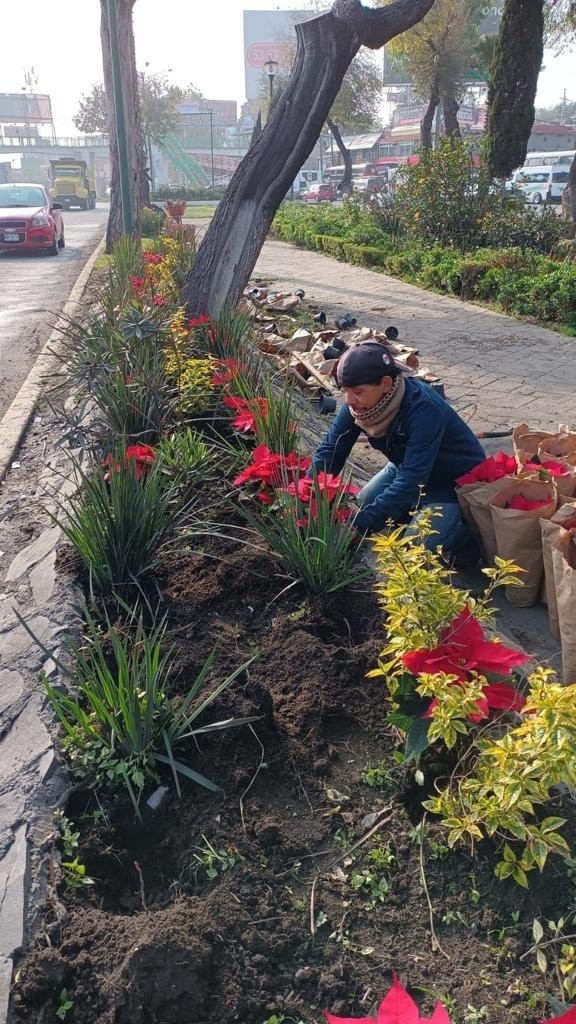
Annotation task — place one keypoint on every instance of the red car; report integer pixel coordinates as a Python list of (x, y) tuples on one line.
[(320, 192), (29, 220)]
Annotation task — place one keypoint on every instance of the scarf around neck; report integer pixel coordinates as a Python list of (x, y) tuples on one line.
[(377, 421)]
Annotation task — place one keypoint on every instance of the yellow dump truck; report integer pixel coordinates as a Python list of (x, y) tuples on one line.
[(72, 184)]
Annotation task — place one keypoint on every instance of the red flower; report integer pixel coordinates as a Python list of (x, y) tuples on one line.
[(153, 257), (522, 504), (246, 419), (554, 468), (494, 467), (138, 284), (463, 649), (397, 1007), (327, 484), (229, 369), (159, 300), (198, 321), (141, 454), (271, 469), (494, 695)]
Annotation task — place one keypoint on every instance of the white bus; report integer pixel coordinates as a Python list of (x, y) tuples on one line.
[(560, 156)]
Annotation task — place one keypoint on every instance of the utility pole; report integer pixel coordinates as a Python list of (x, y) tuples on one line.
[(120, 117)]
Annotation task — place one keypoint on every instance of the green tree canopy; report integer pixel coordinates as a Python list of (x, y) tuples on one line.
[(92, 115), (437, 53), (158, 106)]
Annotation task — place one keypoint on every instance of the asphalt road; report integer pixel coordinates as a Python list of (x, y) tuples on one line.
[(33, 290)]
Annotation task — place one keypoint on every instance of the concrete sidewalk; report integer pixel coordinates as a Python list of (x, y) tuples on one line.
[(498, 371)]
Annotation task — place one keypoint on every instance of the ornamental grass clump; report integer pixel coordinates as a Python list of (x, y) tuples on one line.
[(307, 530), (121, 520), (275, 418), (121, 722)]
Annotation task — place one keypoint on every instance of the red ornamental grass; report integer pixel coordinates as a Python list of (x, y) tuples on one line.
[(494, 467), (142, 455), (464, 649), (397, 1007), (245, 420)]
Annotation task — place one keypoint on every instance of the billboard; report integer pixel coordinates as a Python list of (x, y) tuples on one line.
[(491, 14), (25, 108), (268, 35)]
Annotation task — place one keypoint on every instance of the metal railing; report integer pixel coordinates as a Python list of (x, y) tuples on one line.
[(46, 142)]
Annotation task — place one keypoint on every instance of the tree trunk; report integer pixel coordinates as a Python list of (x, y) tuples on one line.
[(346, 183), (512, 86), (451, 107), (428, 119), (326, 47), (569, 194), (139, 187)]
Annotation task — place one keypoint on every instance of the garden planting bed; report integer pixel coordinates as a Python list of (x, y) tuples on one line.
[(313, 872), (156, 939)]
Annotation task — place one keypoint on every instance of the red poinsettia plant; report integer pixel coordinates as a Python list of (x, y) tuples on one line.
[(272, 471), (492, 468), (462, 650), (522, 504), (226, 372), (397, 1007), (246, 410), (552, 468), (142, 455), (309, 489)]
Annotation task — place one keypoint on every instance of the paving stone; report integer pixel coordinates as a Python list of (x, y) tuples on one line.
[(13, 868), (25, 742), (34, 553), (16, 640), (43, 579), (11, 688), (5, 984)]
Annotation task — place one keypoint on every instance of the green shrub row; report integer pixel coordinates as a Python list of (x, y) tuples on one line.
[(520, 281)]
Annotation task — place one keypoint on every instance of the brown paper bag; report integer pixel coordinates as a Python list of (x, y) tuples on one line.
[(518, 535), (526, 442), (565, 485), (564, 518), (564, 566), (474, 500)]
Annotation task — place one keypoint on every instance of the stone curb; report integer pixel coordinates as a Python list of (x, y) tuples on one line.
[(14, 423)]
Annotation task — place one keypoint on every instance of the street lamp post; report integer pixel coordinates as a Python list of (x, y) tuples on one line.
[(271, 69)]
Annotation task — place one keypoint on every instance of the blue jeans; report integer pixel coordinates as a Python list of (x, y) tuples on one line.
[(450, 530)]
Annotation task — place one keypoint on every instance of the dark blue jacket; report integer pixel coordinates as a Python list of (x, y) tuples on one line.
[(428, 443)]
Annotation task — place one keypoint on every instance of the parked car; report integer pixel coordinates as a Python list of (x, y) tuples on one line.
[(319, 192), (544, 184), (29, 220), (368, 186)]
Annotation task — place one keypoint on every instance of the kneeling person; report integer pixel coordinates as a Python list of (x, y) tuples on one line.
[(425, 441)]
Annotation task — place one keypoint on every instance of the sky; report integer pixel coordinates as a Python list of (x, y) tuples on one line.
[(202, 42)]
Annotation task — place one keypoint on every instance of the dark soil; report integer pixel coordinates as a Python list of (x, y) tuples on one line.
[(279, 929)]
